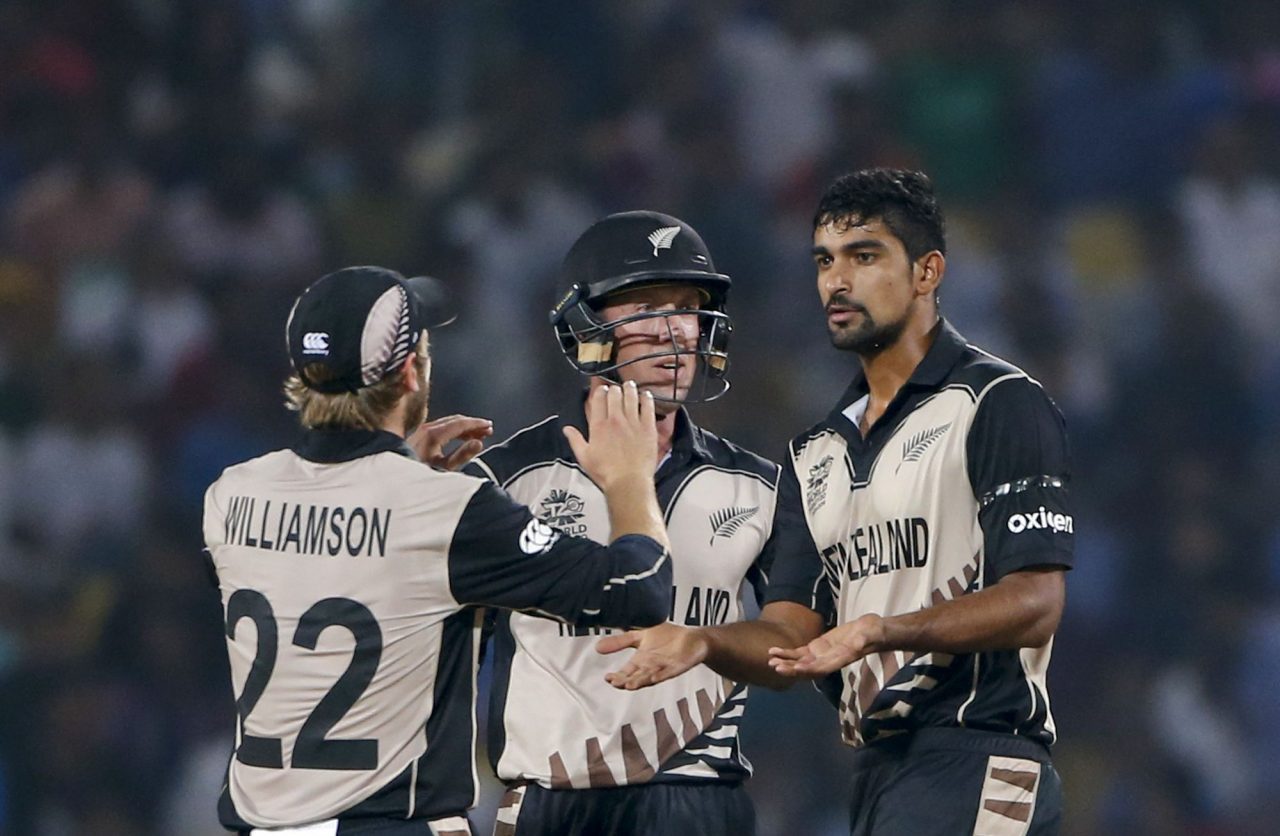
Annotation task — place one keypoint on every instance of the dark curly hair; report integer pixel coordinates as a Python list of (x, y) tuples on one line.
[(902, 200)]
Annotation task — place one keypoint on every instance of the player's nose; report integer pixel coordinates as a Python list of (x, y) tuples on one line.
[(835, 281), (685, 329)]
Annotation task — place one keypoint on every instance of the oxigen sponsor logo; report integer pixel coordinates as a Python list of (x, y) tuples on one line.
[(1042, 519)]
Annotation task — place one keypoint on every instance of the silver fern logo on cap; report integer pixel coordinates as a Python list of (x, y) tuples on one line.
[(662, 237)]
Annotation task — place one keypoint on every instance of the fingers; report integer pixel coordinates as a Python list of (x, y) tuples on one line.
[(794, 663), (791, 653), (444, 430), (633, 677), (619, 678), (630, 400), (790, 661), (618, 641), (647, 416), (784, 659), (576, 442), (613, 399), (479, 432), (596, 406), (465, 452), (424, 445)]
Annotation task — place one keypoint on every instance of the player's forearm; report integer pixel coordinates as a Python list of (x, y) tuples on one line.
[(638, 590), (740, 650), (633, 509), (1022, 610)]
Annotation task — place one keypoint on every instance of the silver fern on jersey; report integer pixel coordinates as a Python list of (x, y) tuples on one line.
[(726, 521), (913, 448)]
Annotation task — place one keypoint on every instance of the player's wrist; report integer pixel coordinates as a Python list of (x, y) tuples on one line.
[(627, 484), (892, 633)]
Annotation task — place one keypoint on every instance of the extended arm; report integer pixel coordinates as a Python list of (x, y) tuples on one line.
[(798, 594), (1021, 610), (738, 651), (502, 555)]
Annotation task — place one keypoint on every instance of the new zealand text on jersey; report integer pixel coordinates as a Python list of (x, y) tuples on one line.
[(307, 529), (883, 547)]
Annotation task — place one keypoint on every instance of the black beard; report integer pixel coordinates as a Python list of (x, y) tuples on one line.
[(869, 338)]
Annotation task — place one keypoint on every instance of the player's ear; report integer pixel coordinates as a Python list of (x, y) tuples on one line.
[(409, 376), (932, 265)]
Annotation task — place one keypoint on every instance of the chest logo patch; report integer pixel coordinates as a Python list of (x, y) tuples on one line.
[(815, 489), (913, 449), (563, 510), (726, 522)]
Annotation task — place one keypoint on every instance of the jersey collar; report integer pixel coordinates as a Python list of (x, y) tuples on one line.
[(331, 445), (948, 346)]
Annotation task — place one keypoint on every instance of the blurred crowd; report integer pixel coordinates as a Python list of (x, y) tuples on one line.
[(173, 172)]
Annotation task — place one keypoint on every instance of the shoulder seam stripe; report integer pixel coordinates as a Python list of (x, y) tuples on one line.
[(997, 358), (521, 432), (545, 463), (485, 467), (684, 483), (1021, 375)]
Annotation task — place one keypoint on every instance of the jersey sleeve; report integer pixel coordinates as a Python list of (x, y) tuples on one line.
[(1019, 468), (503, 556), (790, 560), (758, 574), (213, 537)]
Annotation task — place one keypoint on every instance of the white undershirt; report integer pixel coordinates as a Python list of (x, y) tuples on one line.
[(857, 409)]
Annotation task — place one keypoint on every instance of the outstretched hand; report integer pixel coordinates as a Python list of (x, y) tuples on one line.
[(832, 650), (429, 440), (662, 652)]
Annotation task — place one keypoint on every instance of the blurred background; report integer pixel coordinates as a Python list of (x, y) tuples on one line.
[(173, 172)]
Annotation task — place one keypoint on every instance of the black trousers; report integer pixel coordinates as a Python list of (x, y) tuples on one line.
[(705, 809), (954, 782), (448, 826)]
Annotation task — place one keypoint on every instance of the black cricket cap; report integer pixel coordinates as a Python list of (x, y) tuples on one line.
[(353, 327)]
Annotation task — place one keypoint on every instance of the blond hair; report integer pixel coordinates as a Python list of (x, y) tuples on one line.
[(366, 408)]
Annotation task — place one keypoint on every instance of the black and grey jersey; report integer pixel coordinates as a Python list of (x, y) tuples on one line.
[(351, 574), (962, 481), (553, 718)]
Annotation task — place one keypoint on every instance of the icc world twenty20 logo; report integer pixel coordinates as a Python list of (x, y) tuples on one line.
[(563, 510)]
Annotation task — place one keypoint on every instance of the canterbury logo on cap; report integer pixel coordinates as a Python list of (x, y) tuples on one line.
[(662, 237), (315, 342)]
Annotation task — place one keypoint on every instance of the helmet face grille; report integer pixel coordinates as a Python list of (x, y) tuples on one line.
[(588, 343)]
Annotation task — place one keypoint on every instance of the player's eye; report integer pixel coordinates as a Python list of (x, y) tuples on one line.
[(865, 257)]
